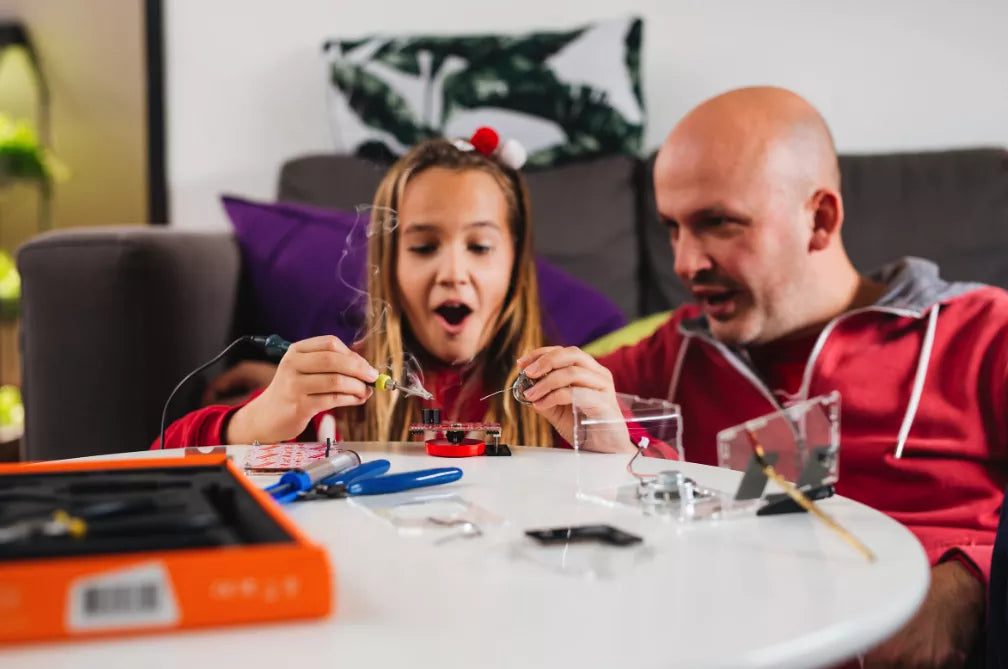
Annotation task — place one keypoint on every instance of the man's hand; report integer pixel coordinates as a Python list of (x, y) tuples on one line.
[(945, 628), (563, 374)]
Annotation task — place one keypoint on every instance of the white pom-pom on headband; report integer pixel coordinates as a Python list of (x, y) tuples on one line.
[(510, 152)]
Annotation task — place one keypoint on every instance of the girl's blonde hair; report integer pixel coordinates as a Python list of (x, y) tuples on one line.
[(386, 417)]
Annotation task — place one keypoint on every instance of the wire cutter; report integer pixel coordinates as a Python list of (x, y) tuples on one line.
[(303, 479), (368, 479)]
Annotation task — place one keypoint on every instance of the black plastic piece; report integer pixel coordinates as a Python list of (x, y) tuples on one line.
[(817, 468), (431, 416), (454, 436), (606, 534), (754, 480), (338, 491), (499, 450)]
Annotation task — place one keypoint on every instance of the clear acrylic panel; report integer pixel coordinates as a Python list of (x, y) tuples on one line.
[(802, 443), (652, 424)]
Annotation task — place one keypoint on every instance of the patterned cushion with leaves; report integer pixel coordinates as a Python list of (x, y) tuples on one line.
[(566, 95)]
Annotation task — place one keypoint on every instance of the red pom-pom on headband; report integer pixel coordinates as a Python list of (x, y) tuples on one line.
[(486, 140)]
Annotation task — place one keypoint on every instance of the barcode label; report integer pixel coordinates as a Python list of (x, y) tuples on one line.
[(139, 596), (122, 599)]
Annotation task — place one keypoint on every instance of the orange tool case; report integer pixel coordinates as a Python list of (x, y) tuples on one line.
[(148, 545)]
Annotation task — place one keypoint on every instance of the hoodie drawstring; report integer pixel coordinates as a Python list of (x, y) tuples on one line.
[(674, 385), (918, 387)]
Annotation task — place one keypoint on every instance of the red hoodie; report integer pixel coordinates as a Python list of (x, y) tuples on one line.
[(923, 378), (205, 427)]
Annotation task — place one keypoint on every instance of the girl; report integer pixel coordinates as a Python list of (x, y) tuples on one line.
[(450, 248)]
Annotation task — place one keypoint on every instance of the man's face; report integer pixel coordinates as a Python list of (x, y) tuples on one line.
[(740, 232)]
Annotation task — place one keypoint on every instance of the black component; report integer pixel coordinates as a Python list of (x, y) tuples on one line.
[(754, 480), (104, 484), (817, 468), (606, 534), (113, 507), (498, 450), (454, 437), (781, 502), (431, 416), (338, 491), (273, 345), (159, 523), (33, 506)]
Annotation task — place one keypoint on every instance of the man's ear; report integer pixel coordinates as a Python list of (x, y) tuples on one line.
[(827, 218)]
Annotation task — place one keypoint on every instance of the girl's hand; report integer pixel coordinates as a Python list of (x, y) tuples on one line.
[(563, 375), (315, 375)]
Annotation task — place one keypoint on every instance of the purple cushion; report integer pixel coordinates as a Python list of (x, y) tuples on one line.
[(304, 267), (573, 313)]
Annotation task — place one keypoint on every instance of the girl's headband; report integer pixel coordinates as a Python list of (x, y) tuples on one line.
[(510, 152)]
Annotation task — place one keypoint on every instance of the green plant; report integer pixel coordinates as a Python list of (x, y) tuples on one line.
[(11, 407), (22, 157)]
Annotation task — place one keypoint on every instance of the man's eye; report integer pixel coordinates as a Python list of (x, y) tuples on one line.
[(423, 249)]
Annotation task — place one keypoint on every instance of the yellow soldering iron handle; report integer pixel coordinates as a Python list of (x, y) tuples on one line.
[(384, 382)]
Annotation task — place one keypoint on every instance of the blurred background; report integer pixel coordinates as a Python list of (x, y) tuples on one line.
[(143, 111)]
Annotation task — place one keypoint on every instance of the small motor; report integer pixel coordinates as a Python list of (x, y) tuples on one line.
[(667, 486), (521, 384)]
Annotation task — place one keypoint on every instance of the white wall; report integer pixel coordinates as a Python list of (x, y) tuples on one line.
[(246, 81)]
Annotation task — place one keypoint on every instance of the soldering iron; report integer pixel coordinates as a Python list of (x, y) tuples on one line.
[(276, 346)]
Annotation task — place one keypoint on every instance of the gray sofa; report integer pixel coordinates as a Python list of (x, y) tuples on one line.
[(114, 317)]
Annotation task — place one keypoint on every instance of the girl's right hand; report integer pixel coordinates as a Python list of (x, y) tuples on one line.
[(315, 375)]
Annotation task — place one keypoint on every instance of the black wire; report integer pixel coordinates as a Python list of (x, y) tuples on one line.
[(164, 414)]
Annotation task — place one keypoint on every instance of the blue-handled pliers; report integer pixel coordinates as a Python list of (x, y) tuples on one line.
[(367, 479)]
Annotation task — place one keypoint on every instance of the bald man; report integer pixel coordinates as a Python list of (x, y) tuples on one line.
[(749, 188)]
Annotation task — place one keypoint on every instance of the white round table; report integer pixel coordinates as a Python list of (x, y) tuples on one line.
[(777, 591)]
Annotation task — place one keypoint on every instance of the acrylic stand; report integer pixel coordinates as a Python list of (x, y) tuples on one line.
[(652, 424), (802, 442)]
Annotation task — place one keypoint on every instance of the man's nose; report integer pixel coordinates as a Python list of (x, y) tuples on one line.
[(690, 257)]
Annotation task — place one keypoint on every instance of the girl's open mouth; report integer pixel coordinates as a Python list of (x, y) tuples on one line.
[(453, 315)]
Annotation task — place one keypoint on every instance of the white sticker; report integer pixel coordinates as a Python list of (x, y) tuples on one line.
[(136, 596)]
